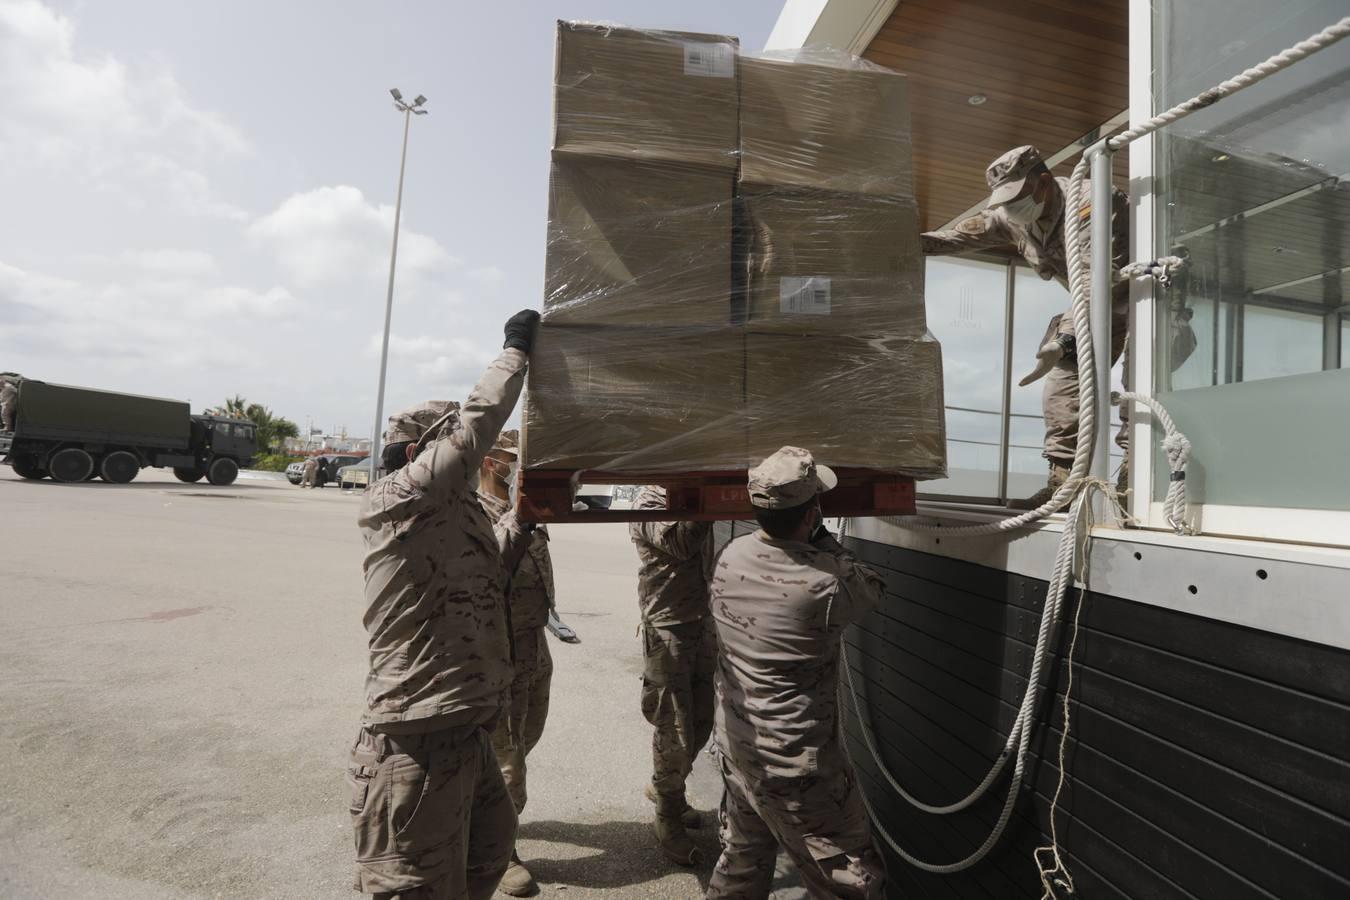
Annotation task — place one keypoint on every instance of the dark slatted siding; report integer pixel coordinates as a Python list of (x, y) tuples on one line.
[(1205, 760)]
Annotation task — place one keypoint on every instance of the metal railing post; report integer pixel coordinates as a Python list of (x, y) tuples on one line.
[(1100, 310), (1005, 432)]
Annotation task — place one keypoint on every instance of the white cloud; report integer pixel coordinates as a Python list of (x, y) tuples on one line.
[(172, 263), (145, 322), (488, 276), (129, 132), (331, 235), (188, 190)]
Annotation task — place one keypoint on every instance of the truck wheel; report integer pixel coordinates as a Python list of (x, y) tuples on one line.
[(222, 472), (27, 467), (119, 467), (71, 465), (189, 475)]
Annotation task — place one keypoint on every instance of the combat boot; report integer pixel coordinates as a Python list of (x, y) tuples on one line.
[(518, 882), (1059, 473), (674, 840), (690, 817)]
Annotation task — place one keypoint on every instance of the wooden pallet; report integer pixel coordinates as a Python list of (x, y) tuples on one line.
[(545, 495)]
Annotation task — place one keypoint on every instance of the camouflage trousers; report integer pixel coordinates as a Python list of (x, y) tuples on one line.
[(819, 821), (432, 817), (1059, 403), (523, 715), (677, 699)]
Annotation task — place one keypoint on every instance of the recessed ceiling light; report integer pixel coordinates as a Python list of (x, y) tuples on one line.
[(976, 99), (1221, 157)]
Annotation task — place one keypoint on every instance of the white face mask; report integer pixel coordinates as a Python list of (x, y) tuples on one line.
[(1024, 211)]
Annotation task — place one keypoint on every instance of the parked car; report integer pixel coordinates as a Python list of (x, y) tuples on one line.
[(594, 496), (355, 477), (328, 469)]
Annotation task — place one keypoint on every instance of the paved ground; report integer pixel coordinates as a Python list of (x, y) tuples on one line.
[(181, 677)]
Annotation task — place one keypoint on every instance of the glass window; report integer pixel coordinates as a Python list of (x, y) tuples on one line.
[(966, 313), (1344, 349), (1035, 303), (1250, 188), (243, 432), (223, 429), (1278, 342)]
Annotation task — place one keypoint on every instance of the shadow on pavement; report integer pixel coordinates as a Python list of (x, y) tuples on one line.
[(624, 854), (627, 855)]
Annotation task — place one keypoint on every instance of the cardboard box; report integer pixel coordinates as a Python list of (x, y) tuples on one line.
[(816, 126), (837, 263), (868, 402), (638, 243), (653, 95), (636, 399)]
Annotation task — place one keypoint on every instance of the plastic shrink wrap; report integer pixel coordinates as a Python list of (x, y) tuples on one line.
[(733, 263)]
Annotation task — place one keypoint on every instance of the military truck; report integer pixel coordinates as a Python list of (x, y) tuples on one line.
[(74, 434)]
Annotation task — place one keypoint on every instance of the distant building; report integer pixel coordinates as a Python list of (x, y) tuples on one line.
[(318, 442)]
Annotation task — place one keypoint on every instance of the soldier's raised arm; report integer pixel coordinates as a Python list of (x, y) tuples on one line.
[(451, 462), (680, 540), (860, 587), (977, 232)]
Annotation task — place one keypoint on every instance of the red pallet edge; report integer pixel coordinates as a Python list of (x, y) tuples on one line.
[(544, 496)]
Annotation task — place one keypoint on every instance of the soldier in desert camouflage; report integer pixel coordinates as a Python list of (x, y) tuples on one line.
[(1025, 210), (680, 659), (431, 813), (781, 599), (529, 595), (9, 399)]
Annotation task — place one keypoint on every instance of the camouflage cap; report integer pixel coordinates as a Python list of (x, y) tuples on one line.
[(1008, 174), (412, 423), (788, 478), (509, 441)]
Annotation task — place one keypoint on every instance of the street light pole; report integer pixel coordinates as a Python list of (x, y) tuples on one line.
[(409, 110)]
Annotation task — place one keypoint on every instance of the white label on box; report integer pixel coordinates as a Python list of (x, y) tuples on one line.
[(709, 60), (809, 296)]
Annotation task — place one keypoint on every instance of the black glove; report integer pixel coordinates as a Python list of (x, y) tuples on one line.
[(520, 330)]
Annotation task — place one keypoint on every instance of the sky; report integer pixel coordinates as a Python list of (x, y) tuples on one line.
[(199, 198)]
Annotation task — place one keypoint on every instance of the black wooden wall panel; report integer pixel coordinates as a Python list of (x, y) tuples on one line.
[(1204, 760)]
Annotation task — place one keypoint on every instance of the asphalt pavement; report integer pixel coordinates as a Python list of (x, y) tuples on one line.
[(182, 675)]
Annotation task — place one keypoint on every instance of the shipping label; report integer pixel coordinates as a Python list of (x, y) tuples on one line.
[(709, 60), (808, 296)]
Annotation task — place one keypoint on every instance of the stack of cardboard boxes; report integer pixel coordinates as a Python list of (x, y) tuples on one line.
[(733, 264)]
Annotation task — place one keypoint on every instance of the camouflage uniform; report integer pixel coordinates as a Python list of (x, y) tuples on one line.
[(529, 595), (680, 649), (1042, 246), (431, 812), (9, 397), (780, 609), (311, 472)]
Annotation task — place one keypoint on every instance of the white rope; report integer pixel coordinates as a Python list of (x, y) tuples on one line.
[(1178, 449), (1019, 739), (1077, 487), (1280, 61)]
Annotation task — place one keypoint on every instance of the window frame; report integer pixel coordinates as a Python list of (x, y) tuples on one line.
[(1297, 525)]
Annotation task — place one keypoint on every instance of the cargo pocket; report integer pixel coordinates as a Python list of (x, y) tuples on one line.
[(408, 784), (658, 658), (358, 781)]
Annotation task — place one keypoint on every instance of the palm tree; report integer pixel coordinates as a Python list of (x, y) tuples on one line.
[(272, 429), (236, 406)]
